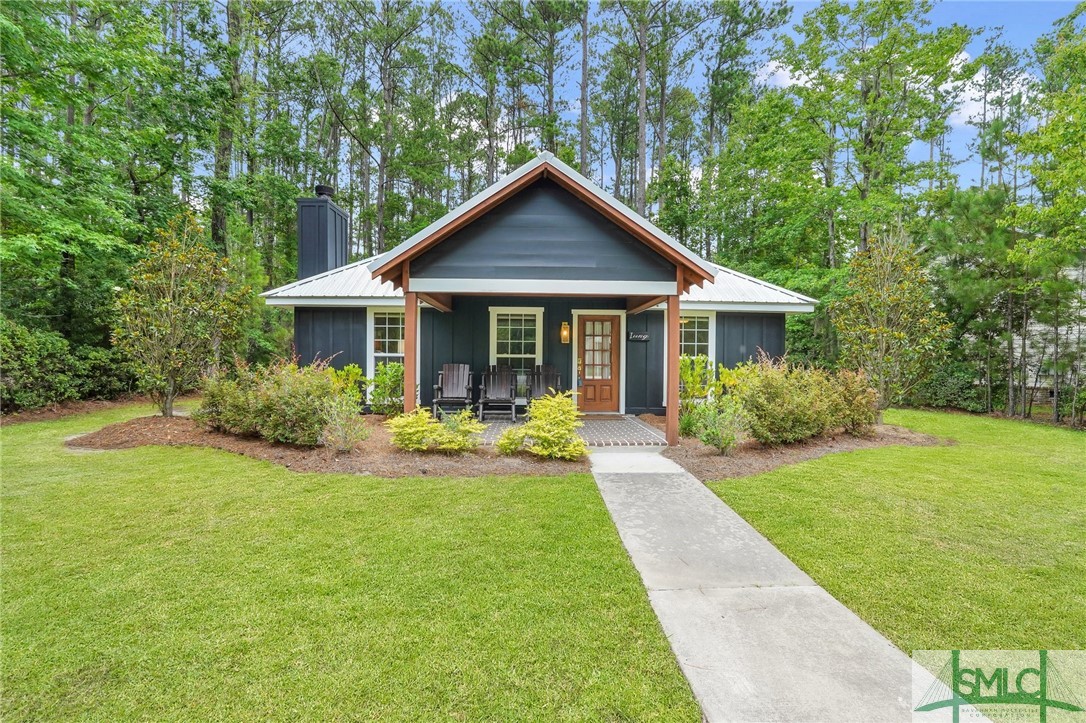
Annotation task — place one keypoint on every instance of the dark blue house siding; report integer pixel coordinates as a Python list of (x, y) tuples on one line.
[(740, 336), (322, 333), (322, 236), (544, 232), (645, 364)]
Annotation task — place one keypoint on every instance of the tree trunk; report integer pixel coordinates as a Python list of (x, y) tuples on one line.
[(584, 90), (224, 147), (642, 114)]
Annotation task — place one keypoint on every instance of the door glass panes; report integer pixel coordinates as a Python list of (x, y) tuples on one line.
[(388, 337), (597, 350), (694, 335)]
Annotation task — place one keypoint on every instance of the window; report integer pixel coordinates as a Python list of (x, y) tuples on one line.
[(694, 336), (387, 337), (516, 340)]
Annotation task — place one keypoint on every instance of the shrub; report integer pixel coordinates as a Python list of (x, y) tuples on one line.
[(459, 432), (420, 432), (688, 421), (784, 403), (230, 405), (38, 368), (696, 382), (386, 389), (857, 403), (351, 380), (551, 429), (291, 402), (951, 385), (103, 373), (282, 402), (720, 424), (344, 427)]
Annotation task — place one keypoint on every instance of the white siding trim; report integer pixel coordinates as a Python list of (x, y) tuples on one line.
[(575, 342)]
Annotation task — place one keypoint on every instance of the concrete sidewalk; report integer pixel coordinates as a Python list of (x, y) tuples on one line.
[(755, 636)]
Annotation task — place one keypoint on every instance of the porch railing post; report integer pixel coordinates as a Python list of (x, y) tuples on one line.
[(410, 345), (672, 362)]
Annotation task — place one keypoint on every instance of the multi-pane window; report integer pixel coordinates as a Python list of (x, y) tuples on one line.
[(387, 337), (517, 343), (694, 336)]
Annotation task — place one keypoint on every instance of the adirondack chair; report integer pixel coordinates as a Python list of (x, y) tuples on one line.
[(453, 388), (498, 392), (542, 380)]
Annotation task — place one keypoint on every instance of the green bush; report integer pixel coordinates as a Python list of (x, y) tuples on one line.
[(104, 373), (344, 426), (688, 422), (696, 382), (231, 404), (954, 385), (784, 403), (281, 402), (37, 368), (551, 429), (386, 389), (857, 408), (420, 432), (721, 423)]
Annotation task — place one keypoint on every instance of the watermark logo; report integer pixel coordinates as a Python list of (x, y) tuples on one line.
[(1047, 686)]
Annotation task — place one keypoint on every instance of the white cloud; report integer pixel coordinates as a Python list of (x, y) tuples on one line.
[(775, 75), (971, 104)]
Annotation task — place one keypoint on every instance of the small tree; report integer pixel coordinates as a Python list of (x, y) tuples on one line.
[(887, 324), (179, 312)]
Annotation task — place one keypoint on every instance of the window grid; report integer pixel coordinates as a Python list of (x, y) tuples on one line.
[(388, 333), (694, 336), (516, 344)]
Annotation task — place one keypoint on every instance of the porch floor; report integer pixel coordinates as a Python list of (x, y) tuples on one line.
[(609, 431)]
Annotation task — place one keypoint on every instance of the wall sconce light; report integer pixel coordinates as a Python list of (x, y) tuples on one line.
[(565, 332)]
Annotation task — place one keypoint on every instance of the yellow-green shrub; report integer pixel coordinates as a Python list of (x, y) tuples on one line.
[(551, 429), (420, 432)]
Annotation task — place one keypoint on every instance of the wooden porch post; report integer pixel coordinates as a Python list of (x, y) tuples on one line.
[(672, 367), (410, 346)]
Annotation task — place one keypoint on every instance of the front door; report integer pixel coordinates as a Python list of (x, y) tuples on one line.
[(598, 363)]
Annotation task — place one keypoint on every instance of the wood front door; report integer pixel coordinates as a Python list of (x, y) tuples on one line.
[(598, 363)]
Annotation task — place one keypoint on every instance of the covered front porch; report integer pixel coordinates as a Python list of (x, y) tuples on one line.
[(599, 430)]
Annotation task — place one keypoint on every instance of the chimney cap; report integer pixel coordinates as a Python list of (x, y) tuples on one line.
[(323, 190)]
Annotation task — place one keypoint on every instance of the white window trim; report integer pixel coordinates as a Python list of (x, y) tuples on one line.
[(371, 358), (575, 342), (540, 333)]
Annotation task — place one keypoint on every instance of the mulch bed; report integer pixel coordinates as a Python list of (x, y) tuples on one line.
[(752, 457), (376, 456)]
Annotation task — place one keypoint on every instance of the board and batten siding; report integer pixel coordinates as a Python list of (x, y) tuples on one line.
[(325, 332), (547, 233), (740, 336)]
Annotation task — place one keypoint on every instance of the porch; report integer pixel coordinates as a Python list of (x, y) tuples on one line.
[(618, 430)]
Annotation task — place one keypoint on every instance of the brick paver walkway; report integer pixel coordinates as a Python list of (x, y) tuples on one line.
[(627, 431)]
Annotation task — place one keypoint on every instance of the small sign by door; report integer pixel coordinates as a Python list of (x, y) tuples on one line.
[(638, 336)]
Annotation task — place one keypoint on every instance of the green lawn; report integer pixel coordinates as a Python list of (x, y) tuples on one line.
[(170, 583), (980, 545)]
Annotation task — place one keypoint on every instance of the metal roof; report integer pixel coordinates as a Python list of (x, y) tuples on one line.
[(354, 285), (548, 159)]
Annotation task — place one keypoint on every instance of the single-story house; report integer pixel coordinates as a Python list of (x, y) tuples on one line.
[(543, 267)]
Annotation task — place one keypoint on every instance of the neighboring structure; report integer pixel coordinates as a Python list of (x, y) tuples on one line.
[(544, 267)]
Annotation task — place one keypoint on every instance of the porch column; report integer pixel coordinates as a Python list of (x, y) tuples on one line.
[(672, 366), (411, 349)]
